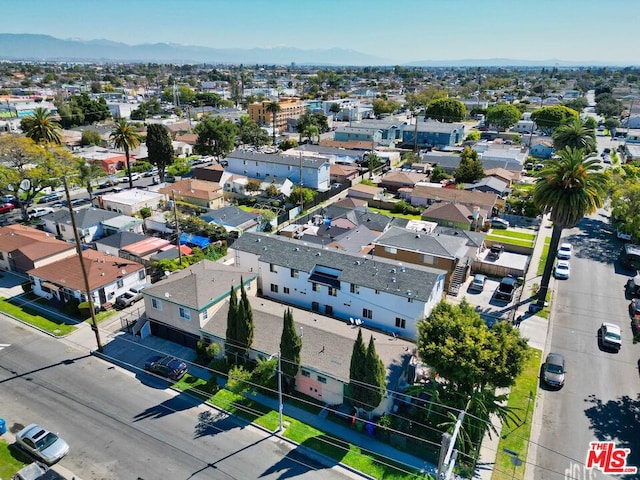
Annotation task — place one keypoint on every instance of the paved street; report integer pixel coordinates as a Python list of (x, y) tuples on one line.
[(123, 425), (600, 400)]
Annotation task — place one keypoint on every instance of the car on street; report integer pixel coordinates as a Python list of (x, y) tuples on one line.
[(478, 282), (634, 308), (37, 212), (59, 204), (150, 173), (50, 197), (6, 207), (553, 370), (129, 298), (506, 289), (610, 336), (562, 270), (41, 443), (623, 236), (632, 287), (134, 177), (106, 184), (499, 223), (565, 251), (166, 366), (8, 198)]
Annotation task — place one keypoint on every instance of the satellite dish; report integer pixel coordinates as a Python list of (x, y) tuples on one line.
[(167, 294), (123, 271)]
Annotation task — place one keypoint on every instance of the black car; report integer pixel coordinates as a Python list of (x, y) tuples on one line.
[(166, 366), (506, 289), (50, 197)]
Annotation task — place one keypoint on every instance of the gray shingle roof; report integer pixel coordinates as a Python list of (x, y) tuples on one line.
[(308, 162), (121, 239), (367, 271), (85, 218), (231, 216), (444, 246)]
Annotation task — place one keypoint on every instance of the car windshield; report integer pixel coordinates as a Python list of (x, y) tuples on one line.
[(46, 441), (552, 368), (613, 336)]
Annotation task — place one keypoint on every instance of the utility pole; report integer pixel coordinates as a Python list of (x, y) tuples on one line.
[(450, 458), (280, 406), (415, 134), (301, 191), (83, 268), (175, 214)]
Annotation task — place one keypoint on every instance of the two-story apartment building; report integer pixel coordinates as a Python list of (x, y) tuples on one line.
[(433, 134), (382, 293)]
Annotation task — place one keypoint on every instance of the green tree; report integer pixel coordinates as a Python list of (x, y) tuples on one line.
[(239, 381), (159, 147), (288, 144), (611, 124), (625, 207), (334, 108), (569, 187), (423, 98), (310, 133), (383, 106), (231, 343), (290, 348), (575, 134), (90, 137), (358, 374), (470, 168), (185, 95), (87, 172), (549, 118), (473, 136), (41, 127), (251, 133), (272, 191), (376, 376), (503, 116), (245, 322), (215, 137), (446, 110), (273, 108), (438, 174), (302, 195), (253, 185), (126, 137)]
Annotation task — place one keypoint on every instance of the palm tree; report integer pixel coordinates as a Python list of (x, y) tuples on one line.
[(126, 137), (273, 108), (41, 127), (569, 187), (87, 172), (575, 134)]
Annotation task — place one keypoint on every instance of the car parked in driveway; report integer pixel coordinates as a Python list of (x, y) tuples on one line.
[(166, 366), (495, 251), (41, 443), (129, 298), (610, 336), (562, 270), (506, 289), (478, 282), (553, 371), (565, 251), (499, 223)]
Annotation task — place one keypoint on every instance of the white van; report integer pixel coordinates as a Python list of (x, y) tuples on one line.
[(37, 212)]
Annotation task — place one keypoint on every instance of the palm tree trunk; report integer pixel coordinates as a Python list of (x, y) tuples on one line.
[(274, 127), (548, 267), (126, 152)]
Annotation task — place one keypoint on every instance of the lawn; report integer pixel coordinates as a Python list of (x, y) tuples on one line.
[(510, 240), (297, 431), (388, 213), (32, 317), (8, 463), (543, 256), (514, 234), (516, 437)]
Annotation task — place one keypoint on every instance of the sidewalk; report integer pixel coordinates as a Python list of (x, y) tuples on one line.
[(535, 329)]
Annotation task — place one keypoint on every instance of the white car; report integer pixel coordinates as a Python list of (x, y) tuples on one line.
[(565, 251), (562, 269), (610, 335), (37, 212)]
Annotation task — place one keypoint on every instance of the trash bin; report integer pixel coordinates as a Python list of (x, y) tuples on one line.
[(3, 426)]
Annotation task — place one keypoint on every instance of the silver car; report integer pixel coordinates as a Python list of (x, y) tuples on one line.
[(41, 443), (611, 337), (554, 370)]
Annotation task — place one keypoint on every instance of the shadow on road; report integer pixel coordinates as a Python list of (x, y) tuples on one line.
[(616, 420), (595, 241)]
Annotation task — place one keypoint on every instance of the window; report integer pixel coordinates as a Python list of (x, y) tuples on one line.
[(184, 313), (274, 288), (401, 322), (305, 373), (377, 292), (391, 250), (333, 292), (294, 273), (156, 304), (322, 379), (286, 290), (142, 275), (328, 310), (410, 300), (366, 313), (354, 288), (205, 314), (315, 306), (120, 283), (315, 287), (428, 259), (272, 268)]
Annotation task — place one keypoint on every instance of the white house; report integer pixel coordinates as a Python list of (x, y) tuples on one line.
[(381, 293)]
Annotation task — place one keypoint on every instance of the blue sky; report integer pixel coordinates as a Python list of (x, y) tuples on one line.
[(571, 30)]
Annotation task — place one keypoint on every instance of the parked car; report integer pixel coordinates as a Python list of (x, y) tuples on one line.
[(41, 443), (6, 207), (107, 184), (8, 198), (37, 212), (478, 282), (623, 236), (134, 177), (634, 308), (129, 298), (562, 270), (499, 223), (632, 287), (565, 251), (166, 366), (610, 336), (495, 251), (150, 173), (50, 197), (506, 289), (553, 371)]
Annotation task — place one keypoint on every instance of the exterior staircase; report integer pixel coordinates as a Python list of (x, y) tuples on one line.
[(457, 279)]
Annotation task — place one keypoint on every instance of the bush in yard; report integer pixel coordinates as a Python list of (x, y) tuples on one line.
[(405, 208), (207, 351)]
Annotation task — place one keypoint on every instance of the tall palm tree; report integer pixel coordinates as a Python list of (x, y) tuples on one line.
[(41, 127), (273, 108), (126, 137), (575, 134), (87, 173), (569, 187)]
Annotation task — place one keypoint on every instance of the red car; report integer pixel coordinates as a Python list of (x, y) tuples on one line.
[(6, 207)]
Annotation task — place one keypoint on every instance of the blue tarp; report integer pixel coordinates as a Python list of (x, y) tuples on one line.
[(194, 240)]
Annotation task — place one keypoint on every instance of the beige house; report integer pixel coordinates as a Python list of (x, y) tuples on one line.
[(197, 192), (24, 248), (129, 202), (365, 192)]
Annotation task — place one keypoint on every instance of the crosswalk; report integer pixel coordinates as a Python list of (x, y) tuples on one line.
[(4, 345)]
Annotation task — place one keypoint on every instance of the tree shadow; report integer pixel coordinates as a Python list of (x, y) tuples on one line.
[(616, 420), (212, 422), (596, 241), (172, 405)]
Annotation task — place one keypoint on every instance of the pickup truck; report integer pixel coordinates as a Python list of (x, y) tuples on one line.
[(506, 289), (495, 251), (129, 298)]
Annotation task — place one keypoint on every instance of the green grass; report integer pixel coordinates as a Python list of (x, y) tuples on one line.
[(514, 234), (30, 316), (543, 256), (9, 464), (388, 213), (516, 437), (510, 241)]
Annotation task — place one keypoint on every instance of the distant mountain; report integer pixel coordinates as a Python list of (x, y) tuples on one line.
[(46, 48), (505, 62)]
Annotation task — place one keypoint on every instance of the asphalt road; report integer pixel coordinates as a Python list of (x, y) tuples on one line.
[(600, 399), (125, 427)]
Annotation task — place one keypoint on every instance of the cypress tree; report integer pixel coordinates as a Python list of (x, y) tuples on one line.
[(375, 376), (290, 347), (245, 321), (232, 324), (357, 372)]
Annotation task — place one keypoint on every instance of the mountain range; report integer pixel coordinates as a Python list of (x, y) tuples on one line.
[(34, 47)]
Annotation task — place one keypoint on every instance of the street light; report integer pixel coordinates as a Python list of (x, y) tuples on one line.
[(280, 405)]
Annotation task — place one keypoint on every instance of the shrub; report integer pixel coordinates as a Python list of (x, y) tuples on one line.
[(206, 351)]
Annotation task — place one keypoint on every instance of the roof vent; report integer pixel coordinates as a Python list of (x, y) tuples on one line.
[(297, 249), (417, 235), (409, 292), (393, 270), (318, 254), (258, 240), (393, 279), (357, 262)]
